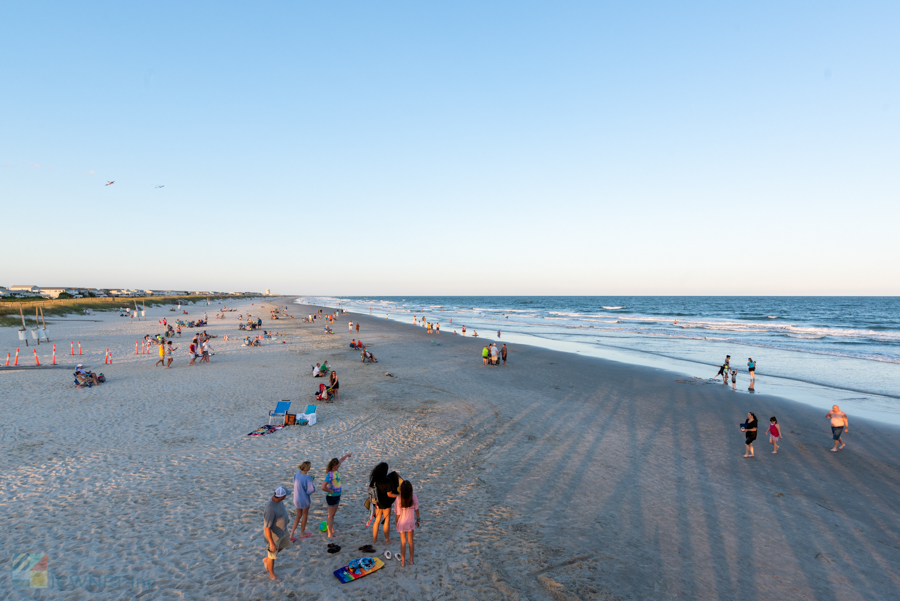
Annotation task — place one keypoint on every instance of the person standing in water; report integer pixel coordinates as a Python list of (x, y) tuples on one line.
[(839, 421), (751, 367)]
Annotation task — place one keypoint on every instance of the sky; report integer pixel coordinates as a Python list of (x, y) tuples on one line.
[(396, 148)]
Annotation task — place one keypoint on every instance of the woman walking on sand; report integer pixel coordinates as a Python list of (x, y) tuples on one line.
[(385, 487), (407, 509), (332, 488), (774, 433), (749, 428), (303, 487)]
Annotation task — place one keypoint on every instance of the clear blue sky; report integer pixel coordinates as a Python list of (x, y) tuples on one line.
[(452, 148)]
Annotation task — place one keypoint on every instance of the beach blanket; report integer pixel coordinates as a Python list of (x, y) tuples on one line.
[(265, 430)]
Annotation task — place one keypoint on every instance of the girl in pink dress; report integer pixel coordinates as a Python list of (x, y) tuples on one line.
[(406, 506), (774, 433)]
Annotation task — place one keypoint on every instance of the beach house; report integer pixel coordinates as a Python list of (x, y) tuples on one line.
[(22, 290)]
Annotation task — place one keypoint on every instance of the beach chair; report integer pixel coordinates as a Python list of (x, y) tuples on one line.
[(308, 416), (278, 413)]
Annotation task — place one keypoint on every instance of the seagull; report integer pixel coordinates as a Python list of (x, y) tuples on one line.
[(110, 183), (162, 186)]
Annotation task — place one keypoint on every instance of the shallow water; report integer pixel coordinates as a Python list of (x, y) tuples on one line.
[(820, 350)]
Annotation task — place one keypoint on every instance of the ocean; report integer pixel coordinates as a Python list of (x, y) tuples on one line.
[(817, 350)]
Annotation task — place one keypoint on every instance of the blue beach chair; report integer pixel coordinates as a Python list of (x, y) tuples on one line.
[(278, 413)]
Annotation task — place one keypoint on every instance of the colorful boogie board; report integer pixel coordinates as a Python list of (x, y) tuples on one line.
[(358, 568)]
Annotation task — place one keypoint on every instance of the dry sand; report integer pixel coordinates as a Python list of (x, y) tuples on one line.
[(554, 477)]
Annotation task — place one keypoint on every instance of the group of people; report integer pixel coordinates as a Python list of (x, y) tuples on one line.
[(433, 328), (388, 493), (839, 421), (840, 424), (725, 371), (491, 355)]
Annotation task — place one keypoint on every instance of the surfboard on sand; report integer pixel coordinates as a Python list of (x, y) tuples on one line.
[(358, 568)]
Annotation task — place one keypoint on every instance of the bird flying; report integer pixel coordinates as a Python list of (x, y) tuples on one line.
[(162, 186), (110, 183)]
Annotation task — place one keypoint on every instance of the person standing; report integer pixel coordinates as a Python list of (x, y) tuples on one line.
[(351, 327), (385, 487), (275, 523), (406, 506), (169, 350), (357, 328), (503, 354), (839, 421), (162, 355), (332, 488), (751, 367), (205, 347), (484, 355), (464, 330), (749, 428), (774, 433), (303, 487), (192, 349)]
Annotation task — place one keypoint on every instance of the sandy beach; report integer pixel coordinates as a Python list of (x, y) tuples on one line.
[(554, 477)]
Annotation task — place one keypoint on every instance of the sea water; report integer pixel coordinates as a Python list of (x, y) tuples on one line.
[(818, 350)]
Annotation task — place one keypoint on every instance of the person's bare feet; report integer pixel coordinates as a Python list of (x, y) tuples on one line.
[(306, 535), (833, 450), (746, 455), (274, 578), (774, 452), (403, 561), (842, 446)]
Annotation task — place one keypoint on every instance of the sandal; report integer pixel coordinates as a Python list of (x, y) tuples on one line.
[(387, 554)]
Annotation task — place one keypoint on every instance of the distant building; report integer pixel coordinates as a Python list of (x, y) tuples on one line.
[(55, 291), (26, 290), (267, 292), (5, 291)]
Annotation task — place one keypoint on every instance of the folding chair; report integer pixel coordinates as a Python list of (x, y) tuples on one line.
[(278, 413), (309, 415)]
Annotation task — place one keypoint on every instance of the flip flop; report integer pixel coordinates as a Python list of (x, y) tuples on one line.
[(307, 535), (333, 549), (387, 554), (397, 557)]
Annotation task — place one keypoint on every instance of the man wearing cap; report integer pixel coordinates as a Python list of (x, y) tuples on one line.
[(275, 528), (84, 375)]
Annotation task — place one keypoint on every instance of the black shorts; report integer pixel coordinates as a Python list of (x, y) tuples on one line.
[(333, 501), (751, 436), (752, 369)]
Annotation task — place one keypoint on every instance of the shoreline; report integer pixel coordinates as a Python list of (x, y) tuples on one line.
[(557, 476), (814, 394)]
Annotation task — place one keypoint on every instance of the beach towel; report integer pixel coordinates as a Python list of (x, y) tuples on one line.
[(265, 430)]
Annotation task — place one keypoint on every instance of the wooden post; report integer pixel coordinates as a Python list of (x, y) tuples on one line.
[(23, 329)]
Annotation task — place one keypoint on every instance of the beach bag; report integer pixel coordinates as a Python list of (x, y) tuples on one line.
[(101, 378), (370, 500)]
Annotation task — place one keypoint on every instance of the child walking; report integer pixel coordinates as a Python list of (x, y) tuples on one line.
[(332, 488), (303, 487), (774, 433), (169, 350), (406, 506)]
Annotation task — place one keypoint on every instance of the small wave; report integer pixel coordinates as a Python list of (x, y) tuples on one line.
[(613, 308), (772, 316)]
